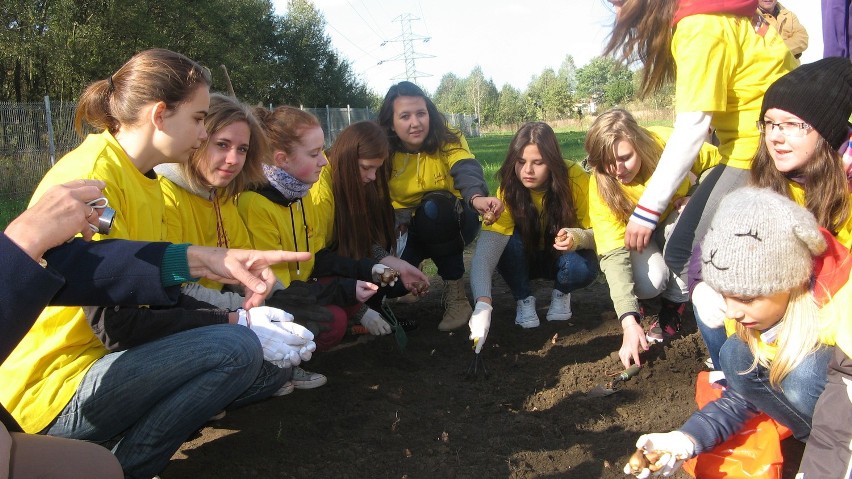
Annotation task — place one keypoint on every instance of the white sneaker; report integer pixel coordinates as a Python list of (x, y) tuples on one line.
[(560, 306), (284, 390), (307, 380), (526, 317)]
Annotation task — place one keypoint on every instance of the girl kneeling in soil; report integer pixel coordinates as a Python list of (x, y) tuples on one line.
[(352, 197), (760, 254), (288, 213), (622, 157), (437, 189), (545, 197)]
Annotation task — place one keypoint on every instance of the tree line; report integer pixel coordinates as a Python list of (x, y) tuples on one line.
[(57, 47), (570, 92)]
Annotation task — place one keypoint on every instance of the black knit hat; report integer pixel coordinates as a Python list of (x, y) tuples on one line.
[(820, 93)]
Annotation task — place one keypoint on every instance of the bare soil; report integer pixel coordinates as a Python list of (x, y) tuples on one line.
[(387, 413)]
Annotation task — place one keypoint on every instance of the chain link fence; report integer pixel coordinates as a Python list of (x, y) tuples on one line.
[(34, 135)]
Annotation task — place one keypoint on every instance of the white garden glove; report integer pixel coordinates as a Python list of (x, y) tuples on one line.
[(375, 323), (379, 273), (480, 323), (709, 305), (280, 338), (675, 447)]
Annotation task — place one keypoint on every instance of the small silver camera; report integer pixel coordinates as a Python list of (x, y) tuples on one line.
[(105, 220)]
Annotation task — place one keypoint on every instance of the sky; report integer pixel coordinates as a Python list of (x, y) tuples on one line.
[(511, 40)]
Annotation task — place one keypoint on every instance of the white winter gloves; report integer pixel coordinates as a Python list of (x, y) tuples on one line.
[(480, 323), (709, 305), (284, 342), (674, 448), (375, 323), (384, 275)]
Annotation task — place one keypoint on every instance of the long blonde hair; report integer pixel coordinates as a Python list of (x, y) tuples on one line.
[(798, 337), (608, 129)]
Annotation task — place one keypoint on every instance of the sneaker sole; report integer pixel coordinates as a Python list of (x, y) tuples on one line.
[(284, 390), (314, 383), (652, 339), (559, 317), (529, 324)]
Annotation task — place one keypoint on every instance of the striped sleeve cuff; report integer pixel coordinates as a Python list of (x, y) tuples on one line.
[(645, 217)]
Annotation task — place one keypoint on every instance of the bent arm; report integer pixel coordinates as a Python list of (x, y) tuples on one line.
[(678, 157)]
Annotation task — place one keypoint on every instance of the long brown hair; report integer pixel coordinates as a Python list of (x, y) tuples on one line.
[(439, 133), (363, 215), (608, 129), (643, 31), (558, 203), (826, 191), (225, 111), (149, 76)]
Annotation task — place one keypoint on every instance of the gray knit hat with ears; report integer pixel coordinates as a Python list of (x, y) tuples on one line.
[(759, 243)]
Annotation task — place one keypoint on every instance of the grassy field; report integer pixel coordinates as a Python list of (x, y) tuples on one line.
[(10, 208), (491, 151)]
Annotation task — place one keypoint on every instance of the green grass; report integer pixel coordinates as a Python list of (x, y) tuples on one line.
[(491, 151), (10, 208)]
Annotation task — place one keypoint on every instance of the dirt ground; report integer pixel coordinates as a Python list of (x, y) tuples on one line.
[(412, 414)]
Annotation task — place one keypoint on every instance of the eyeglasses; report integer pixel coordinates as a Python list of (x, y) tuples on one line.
[(787, 128)]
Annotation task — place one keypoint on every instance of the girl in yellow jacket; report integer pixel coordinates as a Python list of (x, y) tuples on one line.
[(437, 189), (287, 213), (544, 232), (174, 374), (623, 157)]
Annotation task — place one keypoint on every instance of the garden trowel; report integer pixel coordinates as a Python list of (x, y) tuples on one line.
[(613, 386)]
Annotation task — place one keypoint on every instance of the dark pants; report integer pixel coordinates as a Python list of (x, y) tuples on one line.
[(570, 271)]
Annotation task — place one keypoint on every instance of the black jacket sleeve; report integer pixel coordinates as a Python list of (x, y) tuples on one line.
[(121, 328), (328, 263)]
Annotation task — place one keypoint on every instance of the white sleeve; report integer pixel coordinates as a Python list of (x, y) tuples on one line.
[(690, 132)]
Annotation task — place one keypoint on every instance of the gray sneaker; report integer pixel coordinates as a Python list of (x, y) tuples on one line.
[(307, 380)]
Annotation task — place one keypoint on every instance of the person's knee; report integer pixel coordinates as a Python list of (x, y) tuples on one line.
[(438, 224), (239, 343), (736, 358), (332, 336)]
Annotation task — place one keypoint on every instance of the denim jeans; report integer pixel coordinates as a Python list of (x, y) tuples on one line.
[(154, 396), (570, 271), (714, 338), (793, 404)]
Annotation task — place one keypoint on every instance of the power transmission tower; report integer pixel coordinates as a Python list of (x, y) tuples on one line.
[(407, 38)]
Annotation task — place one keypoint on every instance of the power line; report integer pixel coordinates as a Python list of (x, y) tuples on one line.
[(407, 38)]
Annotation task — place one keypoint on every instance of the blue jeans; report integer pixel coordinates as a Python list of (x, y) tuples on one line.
[(714, 338), (570, 271), (154, 396), (792, 405)]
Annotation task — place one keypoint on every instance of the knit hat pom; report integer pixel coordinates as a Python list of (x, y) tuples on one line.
[(820, 93), (760, 243)]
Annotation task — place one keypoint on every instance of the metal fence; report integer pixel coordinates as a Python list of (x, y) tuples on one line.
[(34, 135)]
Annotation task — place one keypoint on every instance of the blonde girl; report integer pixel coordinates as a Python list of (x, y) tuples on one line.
[(784, 316), (623, 157)]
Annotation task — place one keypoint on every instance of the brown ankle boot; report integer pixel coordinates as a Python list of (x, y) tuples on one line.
[(457, 308)]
